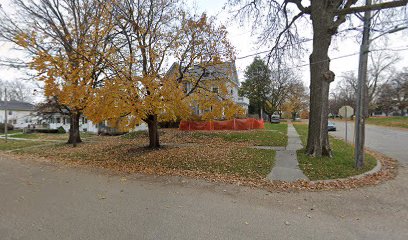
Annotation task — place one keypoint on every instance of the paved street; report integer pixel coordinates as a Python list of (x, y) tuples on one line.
[(41, 201), (389, 141)]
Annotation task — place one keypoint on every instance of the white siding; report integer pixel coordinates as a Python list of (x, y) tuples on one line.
[(18, 118)]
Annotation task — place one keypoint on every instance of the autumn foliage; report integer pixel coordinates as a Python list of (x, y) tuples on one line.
[(110, 61)]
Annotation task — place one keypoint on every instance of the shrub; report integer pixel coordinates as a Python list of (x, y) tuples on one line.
[(61, 130), (9, 127)]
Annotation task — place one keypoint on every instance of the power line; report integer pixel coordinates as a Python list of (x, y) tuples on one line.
[(307, 40), (267, 51), (347, 55)]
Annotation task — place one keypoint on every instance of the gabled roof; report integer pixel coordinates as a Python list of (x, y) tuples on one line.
[(17, 105), (219, 70)]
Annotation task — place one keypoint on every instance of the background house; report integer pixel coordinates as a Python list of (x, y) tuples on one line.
[(224, 70), (47, 118), (19, 114)]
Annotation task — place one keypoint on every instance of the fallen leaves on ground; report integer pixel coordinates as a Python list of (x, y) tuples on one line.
[(212, 159)]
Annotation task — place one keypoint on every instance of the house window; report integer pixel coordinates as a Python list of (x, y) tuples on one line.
[(58, 120), (215, 90), (10, 112), (232, 91), (15, 121)]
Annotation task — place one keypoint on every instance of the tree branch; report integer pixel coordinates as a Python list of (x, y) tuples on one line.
[(300, 6), (377, 6)]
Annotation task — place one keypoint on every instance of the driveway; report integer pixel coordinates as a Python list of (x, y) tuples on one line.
[(41, 201), (392, 142)]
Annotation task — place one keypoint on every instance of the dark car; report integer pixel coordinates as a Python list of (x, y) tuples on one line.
[(331, 126)]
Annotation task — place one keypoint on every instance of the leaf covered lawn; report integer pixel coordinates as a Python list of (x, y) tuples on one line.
[(181, 154)]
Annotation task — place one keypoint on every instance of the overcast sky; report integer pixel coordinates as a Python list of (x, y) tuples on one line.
[(245, 44)]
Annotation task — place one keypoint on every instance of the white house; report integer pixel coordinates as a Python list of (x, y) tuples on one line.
[(19, 114), (55, 120)]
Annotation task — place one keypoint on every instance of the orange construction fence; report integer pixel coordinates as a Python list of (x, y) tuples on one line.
[(235, 124)]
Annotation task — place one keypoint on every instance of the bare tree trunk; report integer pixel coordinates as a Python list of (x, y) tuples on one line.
[(152, 125), (321, 77), (74, 135)]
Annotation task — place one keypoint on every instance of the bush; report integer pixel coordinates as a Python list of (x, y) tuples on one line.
[(169, 124), (9, 127), (45, 130), (61, 130)]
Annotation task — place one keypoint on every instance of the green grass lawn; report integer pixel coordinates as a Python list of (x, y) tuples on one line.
[(10, 131), (272, 135), (26, 135), (401, 122), (341, 165), (13, 144), (50, 136)]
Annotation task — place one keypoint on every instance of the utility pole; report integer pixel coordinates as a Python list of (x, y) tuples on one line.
[(361, 89), (5, 114)]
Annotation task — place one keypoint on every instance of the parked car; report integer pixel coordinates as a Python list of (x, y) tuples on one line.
[(275, 119), (331, 126)]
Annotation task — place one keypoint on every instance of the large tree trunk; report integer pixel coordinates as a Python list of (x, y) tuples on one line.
[(152, 125), (74, 135), (320, 78)]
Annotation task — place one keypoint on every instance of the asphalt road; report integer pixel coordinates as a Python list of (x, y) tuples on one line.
[(41, 201), (392, 142)]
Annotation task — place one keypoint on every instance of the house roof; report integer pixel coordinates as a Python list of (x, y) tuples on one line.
[(17, 105), (220, 70)]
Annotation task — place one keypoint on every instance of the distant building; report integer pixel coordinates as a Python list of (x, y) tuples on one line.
[(225, 70), (19, 114)]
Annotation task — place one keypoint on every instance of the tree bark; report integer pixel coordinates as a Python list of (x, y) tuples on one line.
[(74, 135), (152, 125), (320, 79)]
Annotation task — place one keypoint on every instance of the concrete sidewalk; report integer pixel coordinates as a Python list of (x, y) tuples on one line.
[(286, 164)]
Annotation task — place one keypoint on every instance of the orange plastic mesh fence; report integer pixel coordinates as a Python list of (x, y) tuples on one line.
[(235, 124)]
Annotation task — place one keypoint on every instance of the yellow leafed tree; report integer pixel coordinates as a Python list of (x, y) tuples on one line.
[(69, 44), (151, 35)]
